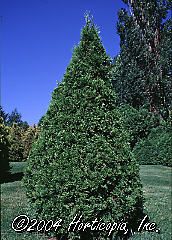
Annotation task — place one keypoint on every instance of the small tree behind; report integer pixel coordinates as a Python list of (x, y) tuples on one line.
[(16, 118), (16, 145), (28, 137)]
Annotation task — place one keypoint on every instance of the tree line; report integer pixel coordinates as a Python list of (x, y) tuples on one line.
[(16, 139)]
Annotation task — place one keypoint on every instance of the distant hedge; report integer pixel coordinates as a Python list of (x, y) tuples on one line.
[(157, 148)]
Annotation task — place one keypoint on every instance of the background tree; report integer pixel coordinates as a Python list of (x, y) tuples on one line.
[(20, 135), (165, 63), (28, 137), (15, 117), (81, 162), (4, 151), (16, 150), (142, 75)]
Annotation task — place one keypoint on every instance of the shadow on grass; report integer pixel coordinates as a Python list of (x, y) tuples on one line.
[(12, 177)]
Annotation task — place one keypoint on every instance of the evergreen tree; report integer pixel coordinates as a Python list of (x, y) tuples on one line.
[(82, 163), (4, 151), (143, 71), (15, 117), (165, 62), (40, 121)]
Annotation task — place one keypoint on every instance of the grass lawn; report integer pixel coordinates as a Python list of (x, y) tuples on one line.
[(157, 182)]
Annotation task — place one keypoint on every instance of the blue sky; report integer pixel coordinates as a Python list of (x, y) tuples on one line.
[(36, 42)]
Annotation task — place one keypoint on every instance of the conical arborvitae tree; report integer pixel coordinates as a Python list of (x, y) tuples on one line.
[(81, 163)]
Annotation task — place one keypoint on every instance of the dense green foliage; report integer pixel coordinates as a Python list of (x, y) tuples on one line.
[(142, 71), (82, 162), (40, 121), (138, 122), (157, 148), (4, 151)]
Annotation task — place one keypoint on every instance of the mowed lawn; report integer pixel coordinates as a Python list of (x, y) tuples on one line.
[(157, 182)]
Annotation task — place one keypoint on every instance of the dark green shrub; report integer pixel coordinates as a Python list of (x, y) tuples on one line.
[(157, 148), (138, 122), (82, 163), (4, 151)]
